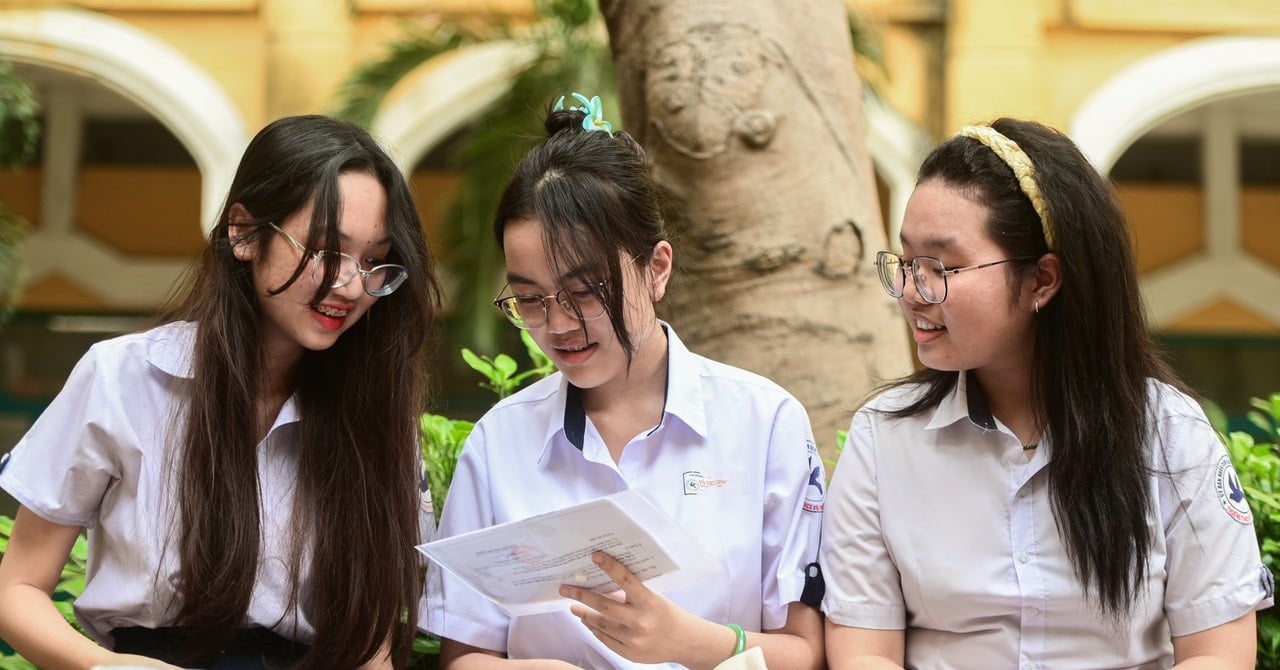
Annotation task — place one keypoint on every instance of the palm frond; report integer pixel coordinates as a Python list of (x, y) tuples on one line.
[(363, 92)]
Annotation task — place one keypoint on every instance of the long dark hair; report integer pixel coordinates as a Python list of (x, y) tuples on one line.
[(1093, 351), (593, 196), (355, 509)]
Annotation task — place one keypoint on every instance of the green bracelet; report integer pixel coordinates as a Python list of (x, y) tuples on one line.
[(741, 644)]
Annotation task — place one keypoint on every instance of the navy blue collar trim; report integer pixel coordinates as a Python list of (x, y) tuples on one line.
[(979, 408), (575, 417)]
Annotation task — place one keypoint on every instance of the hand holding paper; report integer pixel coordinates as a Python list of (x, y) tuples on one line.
[(521, 565), (645, 627)]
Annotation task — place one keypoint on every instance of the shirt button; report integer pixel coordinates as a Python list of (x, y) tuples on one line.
[(1031, 612), (1023, 558), (1028, 666)]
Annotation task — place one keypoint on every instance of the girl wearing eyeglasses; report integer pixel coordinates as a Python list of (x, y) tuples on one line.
[(248, 471), (1044, 494), (725, 453)]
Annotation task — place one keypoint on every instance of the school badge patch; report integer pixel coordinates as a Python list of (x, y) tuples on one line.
[(815, 494), (1230, 492)]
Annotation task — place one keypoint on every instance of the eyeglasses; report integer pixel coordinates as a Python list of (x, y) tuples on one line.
[(585, 302), (929, 273), (380, 281)]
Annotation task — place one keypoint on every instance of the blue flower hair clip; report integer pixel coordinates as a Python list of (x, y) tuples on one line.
[(594, 111)]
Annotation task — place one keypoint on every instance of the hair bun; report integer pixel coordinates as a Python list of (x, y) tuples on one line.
[(564, 120)]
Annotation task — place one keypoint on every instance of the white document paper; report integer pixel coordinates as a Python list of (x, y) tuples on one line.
[(522, 564)]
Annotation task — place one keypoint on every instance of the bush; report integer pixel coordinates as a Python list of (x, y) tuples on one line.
[(442, 437), (1258, 465)]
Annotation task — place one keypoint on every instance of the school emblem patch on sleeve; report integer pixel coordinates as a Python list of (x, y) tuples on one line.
[(815, 494), (1230, 492)]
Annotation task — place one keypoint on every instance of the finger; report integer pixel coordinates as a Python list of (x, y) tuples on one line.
[(599, 602), (636, 591), (607, 631)]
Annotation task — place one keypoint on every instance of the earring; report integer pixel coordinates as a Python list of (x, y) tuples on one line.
[(1037, 307)]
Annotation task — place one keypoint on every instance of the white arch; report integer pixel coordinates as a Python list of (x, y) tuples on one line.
[(1156, 88), (145, 70), (429, 106), (432, 103)]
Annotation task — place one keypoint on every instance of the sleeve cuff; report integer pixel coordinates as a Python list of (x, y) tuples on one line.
[(1203, 616), (874, 617), (18, 492), (465, 630)]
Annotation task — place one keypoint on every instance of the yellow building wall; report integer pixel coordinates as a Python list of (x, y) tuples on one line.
[(949, 63)]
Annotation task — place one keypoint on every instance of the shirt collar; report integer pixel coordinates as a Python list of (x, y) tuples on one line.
[(966, 401), (170, 349), (684, 399)]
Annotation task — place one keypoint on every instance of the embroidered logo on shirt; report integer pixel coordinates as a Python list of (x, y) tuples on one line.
[(695, 483), (815, 494), (1230, 492)]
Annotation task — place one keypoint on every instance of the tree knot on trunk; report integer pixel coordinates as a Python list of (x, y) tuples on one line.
[(841, 251)]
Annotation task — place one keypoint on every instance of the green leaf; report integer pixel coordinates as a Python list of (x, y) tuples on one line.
[(424, 645), (536, 355), (477, 363), (72, 584), (65, 609), (80, 550), (505, 365), (15, 662), (1217, 417), (442, 441)]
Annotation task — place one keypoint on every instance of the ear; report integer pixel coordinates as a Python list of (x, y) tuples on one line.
[(239, 223), (659, 270), (1047, 280)]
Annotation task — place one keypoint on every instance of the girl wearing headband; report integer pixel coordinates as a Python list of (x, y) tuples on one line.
[(1045, 493), (725, 453)]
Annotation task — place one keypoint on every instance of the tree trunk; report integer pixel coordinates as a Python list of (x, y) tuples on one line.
[(751, 114)]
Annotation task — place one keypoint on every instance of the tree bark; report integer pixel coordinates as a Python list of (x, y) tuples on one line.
[(750, 112)]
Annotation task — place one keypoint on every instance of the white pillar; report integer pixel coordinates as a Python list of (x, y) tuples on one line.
[(60, 169), (1220, 164)]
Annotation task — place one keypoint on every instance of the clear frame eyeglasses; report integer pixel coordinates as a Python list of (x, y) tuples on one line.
[(585, 302), (929, 273), (380, 281)]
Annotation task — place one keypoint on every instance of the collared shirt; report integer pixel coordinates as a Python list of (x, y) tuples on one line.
[(939, 525), (732, 461), (102, 455)]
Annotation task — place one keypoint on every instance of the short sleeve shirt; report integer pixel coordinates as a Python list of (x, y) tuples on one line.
[(733, 461), (101, 457), (939, 525)]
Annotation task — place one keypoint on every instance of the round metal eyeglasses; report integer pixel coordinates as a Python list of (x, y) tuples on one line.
[(381, 280), (929, 273), (585, 303)]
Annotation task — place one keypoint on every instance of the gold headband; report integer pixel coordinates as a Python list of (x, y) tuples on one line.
[(1023, 169)]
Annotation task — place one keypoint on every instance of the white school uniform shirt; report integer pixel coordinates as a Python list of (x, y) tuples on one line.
[(938, 524), (101, 456), (733, 461)]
